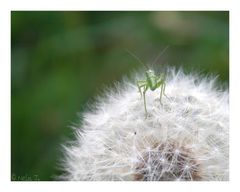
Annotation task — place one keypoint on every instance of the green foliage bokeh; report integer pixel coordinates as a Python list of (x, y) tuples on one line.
[(62, 60)]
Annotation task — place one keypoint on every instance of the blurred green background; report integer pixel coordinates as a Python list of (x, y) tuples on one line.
[(62, 60)]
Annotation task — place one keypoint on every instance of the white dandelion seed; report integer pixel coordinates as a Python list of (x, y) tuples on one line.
[(184, 138)]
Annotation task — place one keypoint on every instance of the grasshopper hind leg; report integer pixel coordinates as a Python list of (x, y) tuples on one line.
[(161, 93), (164, 86)]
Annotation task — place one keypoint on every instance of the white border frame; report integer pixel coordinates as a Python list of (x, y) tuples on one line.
[(5, 97)]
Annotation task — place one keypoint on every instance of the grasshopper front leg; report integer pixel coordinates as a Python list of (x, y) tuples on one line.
[(140, 84), (144, 98)]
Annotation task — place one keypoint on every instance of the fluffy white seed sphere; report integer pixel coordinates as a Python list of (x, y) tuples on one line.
[(184, 138)]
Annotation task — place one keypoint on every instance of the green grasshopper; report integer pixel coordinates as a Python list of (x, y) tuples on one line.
[(152, 81)]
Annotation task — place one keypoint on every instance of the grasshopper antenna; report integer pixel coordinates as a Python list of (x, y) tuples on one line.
[(159, 55), (137, 58)]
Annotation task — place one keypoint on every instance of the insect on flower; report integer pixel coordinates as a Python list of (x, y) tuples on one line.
[(151, 82)]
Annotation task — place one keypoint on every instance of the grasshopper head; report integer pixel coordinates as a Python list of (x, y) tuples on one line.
[(150, 73)]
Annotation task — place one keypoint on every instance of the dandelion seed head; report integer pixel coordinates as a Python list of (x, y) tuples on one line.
[(184, 138)]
